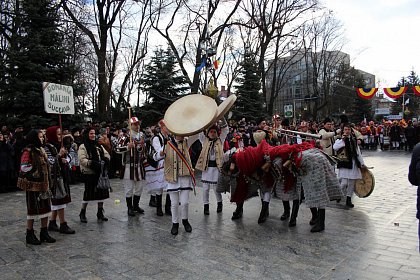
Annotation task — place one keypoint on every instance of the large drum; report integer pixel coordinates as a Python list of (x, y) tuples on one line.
[(190, 114), (364, 187)]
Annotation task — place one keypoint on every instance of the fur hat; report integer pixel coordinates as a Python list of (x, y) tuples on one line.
[(344, 119), (326, 120), (215, 127), (260, 120), (258, 135)]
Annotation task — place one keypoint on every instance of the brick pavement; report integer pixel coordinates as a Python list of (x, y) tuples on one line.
[(375, 240)]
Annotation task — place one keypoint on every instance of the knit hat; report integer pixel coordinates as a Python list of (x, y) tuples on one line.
[(134, 120), (102, 131)]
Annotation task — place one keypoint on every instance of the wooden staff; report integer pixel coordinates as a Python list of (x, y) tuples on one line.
[(129, 127), (300, 133)]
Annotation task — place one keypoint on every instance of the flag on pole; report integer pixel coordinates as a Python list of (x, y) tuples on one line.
[(203, 63), (216, 63), (407, 101)]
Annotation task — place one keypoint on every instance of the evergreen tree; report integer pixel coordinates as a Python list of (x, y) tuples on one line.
[(362, 108), (40, 56), (162, 83), (410, 100), (249, 103)]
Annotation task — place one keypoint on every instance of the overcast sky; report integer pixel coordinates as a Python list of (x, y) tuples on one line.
[(383, 36)]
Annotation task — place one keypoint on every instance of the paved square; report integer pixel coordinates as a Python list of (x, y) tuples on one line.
[(375, 240)]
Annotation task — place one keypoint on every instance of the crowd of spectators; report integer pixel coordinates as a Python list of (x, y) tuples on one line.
[(384, 135)]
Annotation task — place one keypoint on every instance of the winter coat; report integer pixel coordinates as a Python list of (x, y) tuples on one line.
[(414, 174)]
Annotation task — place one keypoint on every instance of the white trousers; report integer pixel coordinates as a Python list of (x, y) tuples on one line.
[(132, 187), (265, 196), (178, 197), (206, 193), (347, 186)]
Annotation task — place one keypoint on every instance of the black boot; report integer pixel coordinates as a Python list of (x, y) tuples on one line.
[(64, 228), (45, 237), (348, 202), (206, 209), (82, 216), (219, 207), (52, 226), (268, 210), (295, 210), (187, 225), (136, 207), (314, 218), (286, 213), (238, 212), (129, 201), (168, 205), (174, 229), (320, 225), (101, 215), (159, 211), (263, 213), (152, 202), (31, 237)]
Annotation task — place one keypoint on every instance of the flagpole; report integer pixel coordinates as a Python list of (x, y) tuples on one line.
[(403, 106)]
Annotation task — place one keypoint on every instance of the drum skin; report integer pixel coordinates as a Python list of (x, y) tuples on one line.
[(364, 187), (190, 114)]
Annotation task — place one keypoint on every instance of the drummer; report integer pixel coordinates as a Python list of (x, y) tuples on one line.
[(350, 162), (210, 162), (179, 175)]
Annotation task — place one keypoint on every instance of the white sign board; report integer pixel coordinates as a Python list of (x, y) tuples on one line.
[(288, 111), (382, 111), (58, 99)]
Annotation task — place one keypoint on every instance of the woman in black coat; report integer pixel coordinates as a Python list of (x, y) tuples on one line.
[(414, 177), (7, 168)]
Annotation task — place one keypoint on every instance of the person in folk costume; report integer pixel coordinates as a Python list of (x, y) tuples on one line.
[(34, 179), (133, 173), (149, 133), (179, 176), (328, 136), (374, 139), (91, 154), (155, 178), (210, 162), (265, 193), (350, 163), (58, 158), (295, 193)]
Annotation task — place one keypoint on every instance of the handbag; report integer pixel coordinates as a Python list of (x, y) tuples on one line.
[(103, 181), (58, 190)]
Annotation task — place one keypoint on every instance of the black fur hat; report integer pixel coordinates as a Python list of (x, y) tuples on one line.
[(327, 119), (260, 120), (344, 119)]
